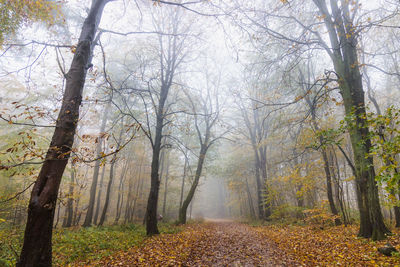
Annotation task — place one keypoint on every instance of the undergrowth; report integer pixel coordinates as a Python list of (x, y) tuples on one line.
[(79, 244)]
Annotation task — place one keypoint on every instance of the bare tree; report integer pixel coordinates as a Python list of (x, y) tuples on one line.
[(205, 119), (37, 249)]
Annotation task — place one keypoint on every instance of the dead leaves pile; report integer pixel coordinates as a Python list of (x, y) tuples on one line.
[(334, 246)]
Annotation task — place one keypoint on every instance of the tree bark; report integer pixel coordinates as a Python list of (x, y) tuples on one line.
[(152, 202), (37, 250)]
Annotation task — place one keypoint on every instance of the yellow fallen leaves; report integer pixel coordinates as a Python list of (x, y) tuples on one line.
[(334, 246), (208, 244)]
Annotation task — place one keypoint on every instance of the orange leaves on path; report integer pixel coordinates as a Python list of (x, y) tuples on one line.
[(234, 244), (334, 246), (209, 244)]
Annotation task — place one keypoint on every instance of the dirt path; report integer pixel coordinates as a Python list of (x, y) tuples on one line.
[(230, 244), (208, 244)]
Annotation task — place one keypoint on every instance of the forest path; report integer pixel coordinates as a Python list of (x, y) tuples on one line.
[(207, 244)]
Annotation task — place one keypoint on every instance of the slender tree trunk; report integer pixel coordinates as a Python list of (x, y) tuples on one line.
[(128, 201), (183, 181), (189, 197), (139, 194), (36, 250), (58, 210), (96, 214), (70, 201), (340, 193), (165, 186), (108, 192), (120, 198), (257, 164), (110, 180), (250, 200), (327, 167), (93, 187), (329, 186)]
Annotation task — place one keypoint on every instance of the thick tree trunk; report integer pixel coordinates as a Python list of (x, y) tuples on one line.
[(152, 202), (36, 249), (343, 52), (371, 224), (93, 187), (397, 215), (192, 190)]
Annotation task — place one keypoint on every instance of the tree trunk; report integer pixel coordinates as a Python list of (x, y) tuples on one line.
[(189, 197), (108, 192), (329, 185), (96, 214), (120, 199), (250, 200), (165, 186), (70, 201), (343, 39), (58, 211), (371, 219), (327, 167), (93, 187), (257, 164), (152, 202), (183, 181), (36, 250), (110, 181), (340, 193)]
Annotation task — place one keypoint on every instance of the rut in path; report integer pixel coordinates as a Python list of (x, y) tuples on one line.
[(208, 244)]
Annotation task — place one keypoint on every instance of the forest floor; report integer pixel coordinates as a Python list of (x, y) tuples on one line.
[(213, 243), (207, 244), (236, 244)]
